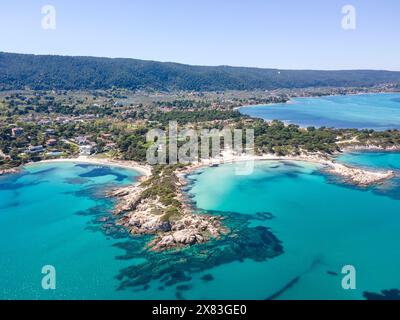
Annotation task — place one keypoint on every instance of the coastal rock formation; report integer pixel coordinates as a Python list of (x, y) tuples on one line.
[(142, 214), (129, 198), (172, 268), (358, 176), (8, 171), (370, 147), (189, 230)]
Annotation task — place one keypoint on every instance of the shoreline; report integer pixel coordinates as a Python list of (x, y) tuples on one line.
[(353, 174), (369, 148), (291, 101), (142, 215), (358, 176), (144, 170)]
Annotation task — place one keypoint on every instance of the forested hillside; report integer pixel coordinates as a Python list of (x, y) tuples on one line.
[(63, 72)]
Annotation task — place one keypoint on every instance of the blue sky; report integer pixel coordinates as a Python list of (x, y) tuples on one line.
[(288, 34)]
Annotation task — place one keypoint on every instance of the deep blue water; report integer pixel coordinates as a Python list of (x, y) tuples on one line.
[(373, 111)]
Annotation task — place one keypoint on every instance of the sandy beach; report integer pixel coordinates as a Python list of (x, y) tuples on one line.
[(145, 170), (357, 176)]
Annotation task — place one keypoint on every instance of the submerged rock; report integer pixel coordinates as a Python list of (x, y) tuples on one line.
[(392, 294), (173, 267), (207, 277)]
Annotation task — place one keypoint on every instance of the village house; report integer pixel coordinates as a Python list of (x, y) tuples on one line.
[(118, 104), (110, 146), (44, 122), (81, 140), (16, 132), (50, 131), (51, 142), (88, 149), (35, 149)]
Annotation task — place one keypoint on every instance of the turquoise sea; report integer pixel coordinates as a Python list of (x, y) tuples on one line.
[(323, 225), (373, 111), (293, 229), (374, 160), (48, 216)]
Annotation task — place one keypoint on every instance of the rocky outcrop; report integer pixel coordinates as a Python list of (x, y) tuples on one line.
[(358, 176), (189, 230), (371, 147), (180, 231), (147, 215), (8, 171), (128, 198)]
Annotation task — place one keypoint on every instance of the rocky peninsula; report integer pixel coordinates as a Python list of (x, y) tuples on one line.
[(358, 176), (159, 208)]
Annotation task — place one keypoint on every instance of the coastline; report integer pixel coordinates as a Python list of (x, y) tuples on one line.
[(291, 101), (144, 170), (144, 215), (370, 148), (141, 214), (357, 176)]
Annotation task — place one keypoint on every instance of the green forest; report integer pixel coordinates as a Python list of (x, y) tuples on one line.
[(18, 71)]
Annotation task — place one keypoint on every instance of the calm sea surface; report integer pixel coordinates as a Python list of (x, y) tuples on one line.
[(56, 214), (373, 111)]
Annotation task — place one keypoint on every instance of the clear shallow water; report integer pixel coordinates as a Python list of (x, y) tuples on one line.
[(377, 160), (46, 215), (373, 111), (323, 226), (54, 214)]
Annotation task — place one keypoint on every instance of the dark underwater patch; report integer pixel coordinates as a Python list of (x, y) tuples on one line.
[(16, 185), (103, 171), (76, 181), (84, 165), (95, 192), (392, 294), (291, 175), (103, 221), (10, 205), (317, 261), (177, 266), (179, 295), (291, 164), (207, 277), (184, 287), (44, 171), (286, 287)]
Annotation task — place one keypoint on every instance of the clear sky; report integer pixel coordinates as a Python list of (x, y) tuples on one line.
[(290, 34)]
